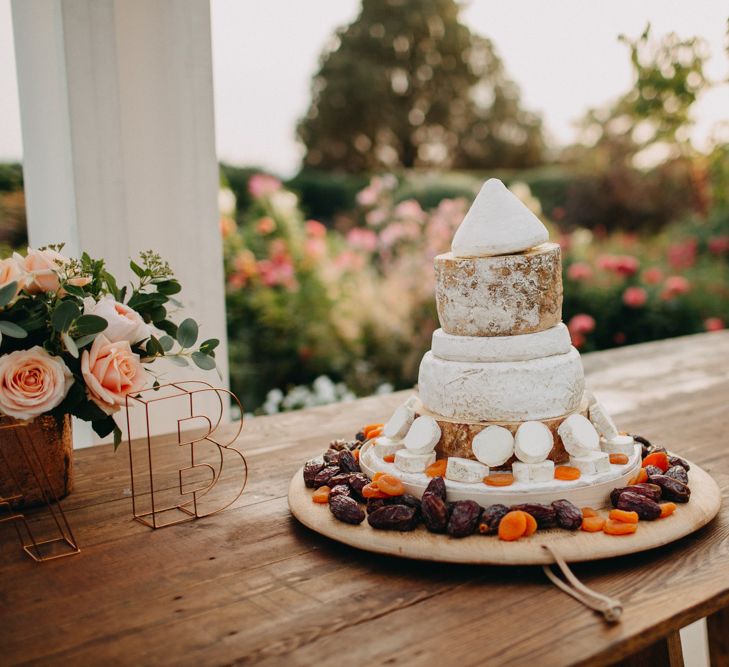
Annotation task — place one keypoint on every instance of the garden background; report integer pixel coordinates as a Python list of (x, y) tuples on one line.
[(329, 274)]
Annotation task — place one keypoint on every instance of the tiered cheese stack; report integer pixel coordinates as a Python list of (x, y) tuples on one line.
[(502, 387)]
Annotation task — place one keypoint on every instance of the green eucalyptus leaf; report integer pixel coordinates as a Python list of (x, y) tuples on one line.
[(111, 284), (167, 343), (170, 328), (187, 332), (169, 287), (207, 346), (74, 290), (12, 330), (137, 269), (85, 340), (70, 344), (90, 324), (102, 427), (117, 437), (203, 361), (7, 293), (153, 348), (178, 361), (157, 314), (64, 315)]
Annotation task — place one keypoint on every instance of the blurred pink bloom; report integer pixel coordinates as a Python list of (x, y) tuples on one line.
[(606, 262), (278, 249), (409, 210), (622, 265), (376, 217), (674, 286), (262, 185), (370, 194), (315, 228), (362, 239), (579, 271), (719, 245), (652, 276), (277, 271), (578, 339), (682, 255), (349, 261), (565, 242), (315, 247), (227, 226), (713, 324), (581, 324), (265, 225), (635, 297)]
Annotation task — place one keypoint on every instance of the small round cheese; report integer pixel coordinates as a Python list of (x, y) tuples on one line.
[(465, 470), (399, 424), (386, 446), (602, 421), (493, 446), (579, 436), (423, 434), (409, 461), (533, 442), (620, 444)]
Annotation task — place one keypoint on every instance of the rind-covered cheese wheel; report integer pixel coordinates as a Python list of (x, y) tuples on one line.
[(505, 295)]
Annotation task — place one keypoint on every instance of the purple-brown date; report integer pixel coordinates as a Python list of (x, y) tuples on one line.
[(545, 515), (651, 491), (463, 518), (678, 461), (491, 518), (357, 482), (339, 478), (645, 508), (434, 512), (347, 462), (324, 476), (677, 472), (339, 490), (346, 509), (311, 469), (672, 489), (569, 516), (393, 517), (437, 486), (330, 456), (653, 470)]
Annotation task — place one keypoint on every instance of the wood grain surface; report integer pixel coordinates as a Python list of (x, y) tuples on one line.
[(251, 585)]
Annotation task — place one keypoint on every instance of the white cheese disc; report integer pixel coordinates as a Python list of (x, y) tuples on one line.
[(502, 391), (533, 442), (506, 295), (493, 446), (621, 439), (555, 340), (579, 436), (423, 434), (592, 463), (621, 444), (465, 470), (602, 421), (386, 446), (533, 472), (409, 461), (497, 223), (520, 471), (399, 424)]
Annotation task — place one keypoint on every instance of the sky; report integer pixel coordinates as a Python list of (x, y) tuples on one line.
[(564, 55)]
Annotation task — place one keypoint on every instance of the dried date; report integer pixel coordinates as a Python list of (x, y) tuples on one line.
[(331, 456), (347, 462), (437, 486), (645, 444), (311, 469), (545, 515), (373, 504), (464, 516), (339, 490), (672, 489), (678, 461), (569, 516), (338, 445), (339, 478), (490, 519), (651, 491), (324, 476), (435, 512), (393, 517), (646, 509), (677, 472), (653, 470), (346, 509), (357, 482)]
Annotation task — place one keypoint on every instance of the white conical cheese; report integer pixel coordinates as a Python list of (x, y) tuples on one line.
[(497, 223)]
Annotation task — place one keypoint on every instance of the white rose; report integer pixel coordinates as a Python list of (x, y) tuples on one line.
[(124, 323)]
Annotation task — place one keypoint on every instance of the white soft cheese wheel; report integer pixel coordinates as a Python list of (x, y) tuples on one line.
[(493, 446), (502, 391), (520, 471), (592, 463), (497, 223), (602, 421), (423, 435), (386, 446), (620, 444), (399, 424), (506, 295), (533, 472), (579, 436), (533, 442), (555, 340), (409, 461), (465, 470)]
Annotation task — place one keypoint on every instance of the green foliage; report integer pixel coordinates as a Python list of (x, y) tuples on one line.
[(324, 194)]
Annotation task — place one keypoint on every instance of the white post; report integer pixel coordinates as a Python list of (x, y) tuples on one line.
[(116, 101)]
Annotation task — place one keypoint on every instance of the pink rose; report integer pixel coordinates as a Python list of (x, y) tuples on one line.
[(41, 268), (581, 324), (32, 382), (674, 286), (653, 275), (713, 324), (11, 271), (315, 228), (635, 297), (266, 225), (262, 185), (111, 371), (124, 323), (579, 271)]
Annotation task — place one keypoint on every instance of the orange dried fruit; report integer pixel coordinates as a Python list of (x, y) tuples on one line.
[(658, 459), (372, 490), (588, 512), (499, 479), (619, 459), (390, 485), (370, 427), (640, 478), (377, 476), (437, 469), (355, 453), (566, 473), (321, 495), (667, 509), (592, 524), (531, 525), (389, 458), (374, 433), (612, 527), (513, 525), (624, 515)]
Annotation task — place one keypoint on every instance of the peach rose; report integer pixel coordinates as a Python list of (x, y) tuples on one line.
[(111, 371), (124, 322), (41, 268), (11, 271), (32, 382)]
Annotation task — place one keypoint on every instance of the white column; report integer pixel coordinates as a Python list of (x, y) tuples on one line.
[(116, 100)]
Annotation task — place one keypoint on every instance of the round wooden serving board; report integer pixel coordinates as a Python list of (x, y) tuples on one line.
[(489, 550)]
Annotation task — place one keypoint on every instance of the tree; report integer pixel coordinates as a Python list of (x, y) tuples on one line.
[(408, 85)]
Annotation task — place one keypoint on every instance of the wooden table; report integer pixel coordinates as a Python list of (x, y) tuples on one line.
[(250, 585)]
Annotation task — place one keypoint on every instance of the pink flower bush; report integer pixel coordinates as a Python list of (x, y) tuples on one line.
[(635, 297), (581, 323), (579, 271), (675, 286), (362, 239), (265, 225), (652, 275), (263, 185), (713, 324), (622, 265), (315, 228), (227, 226), (682, 255), (719, 245)]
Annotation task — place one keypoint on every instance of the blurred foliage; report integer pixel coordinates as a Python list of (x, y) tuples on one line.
[(407, 85), (13, 232)]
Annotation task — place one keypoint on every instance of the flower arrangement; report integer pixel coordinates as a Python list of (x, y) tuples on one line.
[(73, 342)]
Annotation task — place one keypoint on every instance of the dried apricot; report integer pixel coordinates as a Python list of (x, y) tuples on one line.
[(619, 459), (592, 524), (566, 473), (437, 469), (390, 485), (321, 495), (640, 478), (389, 458), (531, 525), (377, 476), (619, 528), (658, 459), (513, 525), (374, 433), (499, 479), (370, 427), (667, 509), (625, 516), (588, 512), (355, 454), (371, 490)]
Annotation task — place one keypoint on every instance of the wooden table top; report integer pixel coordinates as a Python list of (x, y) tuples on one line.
[(250, 585)]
